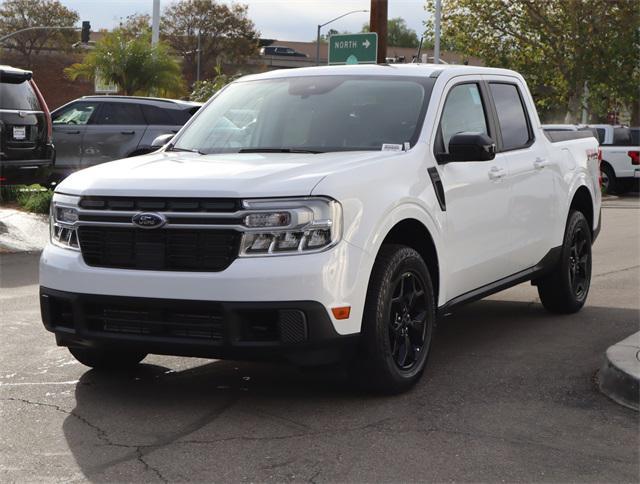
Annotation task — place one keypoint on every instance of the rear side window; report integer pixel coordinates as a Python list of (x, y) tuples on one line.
[(463, 112), (512, 116), (181, 116), (18, 96), (156, 115), (635, 136), (120, 113), (622, 136), (601, 135)]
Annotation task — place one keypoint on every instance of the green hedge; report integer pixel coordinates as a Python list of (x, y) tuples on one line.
[(32, 198)]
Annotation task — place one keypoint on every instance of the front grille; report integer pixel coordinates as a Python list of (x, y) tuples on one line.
[(187, 321), (152, 204), (203, 250)]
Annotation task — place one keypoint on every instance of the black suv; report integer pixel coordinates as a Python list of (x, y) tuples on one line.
[(26, 147)]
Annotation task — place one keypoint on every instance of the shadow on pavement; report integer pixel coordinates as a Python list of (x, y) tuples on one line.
[(20, 269), (489, 358)]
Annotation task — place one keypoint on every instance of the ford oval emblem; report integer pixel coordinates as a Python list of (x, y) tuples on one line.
[(147, 220)]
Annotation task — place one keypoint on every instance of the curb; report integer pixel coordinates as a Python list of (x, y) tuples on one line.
[(620, 373)]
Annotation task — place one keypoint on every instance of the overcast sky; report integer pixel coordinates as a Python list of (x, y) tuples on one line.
[(275, 19)]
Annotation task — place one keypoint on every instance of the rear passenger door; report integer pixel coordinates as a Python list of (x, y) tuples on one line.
[(477, 239), (534, 209), (115, 134), (69, 127)]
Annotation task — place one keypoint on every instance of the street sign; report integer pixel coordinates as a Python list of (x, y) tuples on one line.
[(353, 48)]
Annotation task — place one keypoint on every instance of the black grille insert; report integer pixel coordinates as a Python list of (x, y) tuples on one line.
[(193, 321), (159, 249), (161, 204)]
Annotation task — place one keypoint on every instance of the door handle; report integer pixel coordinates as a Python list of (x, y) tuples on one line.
[(495, 173), (540, 163), (72, 132), (127, 132)]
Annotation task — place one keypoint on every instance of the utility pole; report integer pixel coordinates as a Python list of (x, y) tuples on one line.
[(198, 59), (155, 23), (436, 40), (378, 24)]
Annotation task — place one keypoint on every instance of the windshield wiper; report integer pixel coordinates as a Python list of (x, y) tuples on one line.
[(278, 150), (188, 150)]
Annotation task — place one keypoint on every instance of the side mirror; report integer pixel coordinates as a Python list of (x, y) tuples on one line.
[(161, 140), (469, 147)]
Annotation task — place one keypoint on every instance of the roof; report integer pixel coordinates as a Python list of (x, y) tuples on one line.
[(178, 102), (414, 69), (14, 75)]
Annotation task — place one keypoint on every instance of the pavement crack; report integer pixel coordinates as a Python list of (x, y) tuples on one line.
[(101, 433), (616, 271), (148, 467)]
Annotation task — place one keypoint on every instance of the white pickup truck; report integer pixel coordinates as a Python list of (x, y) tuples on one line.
[(323, 215), (620, 147)]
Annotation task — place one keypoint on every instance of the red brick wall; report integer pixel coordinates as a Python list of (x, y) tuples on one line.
[(48, 73)]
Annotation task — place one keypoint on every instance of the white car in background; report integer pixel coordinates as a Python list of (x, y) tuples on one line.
[(620, 166)]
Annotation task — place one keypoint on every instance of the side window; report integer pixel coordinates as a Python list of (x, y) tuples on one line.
[(622, 136), (463, 111), (601, 134), (511, 116), (120, 113), (156, 115), (77, 113)]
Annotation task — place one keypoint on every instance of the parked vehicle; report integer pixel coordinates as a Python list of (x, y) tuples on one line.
[(281, 51), (334, 224), (26, 148), (620, 166), (95, 129)]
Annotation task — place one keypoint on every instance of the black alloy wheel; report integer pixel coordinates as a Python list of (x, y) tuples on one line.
[(407, 320)]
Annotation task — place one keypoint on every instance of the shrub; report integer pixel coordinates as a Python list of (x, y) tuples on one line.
[(35, 198)]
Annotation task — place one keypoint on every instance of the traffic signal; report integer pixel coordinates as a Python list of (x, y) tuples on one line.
[(86, 32)]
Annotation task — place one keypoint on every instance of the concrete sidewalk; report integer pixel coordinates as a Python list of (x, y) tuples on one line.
[(21, 231), (620, 373)]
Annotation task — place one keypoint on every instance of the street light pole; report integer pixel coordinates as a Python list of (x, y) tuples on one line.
[(327, 23), (155, 23), (436, 41)]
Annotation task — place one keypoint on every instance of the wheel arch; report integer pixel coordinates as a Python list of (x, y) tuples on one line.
[(413, 233), (582, 201)]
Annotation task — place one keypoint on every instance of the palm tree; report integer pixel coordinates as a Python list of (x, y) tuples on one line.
[(133, 64)]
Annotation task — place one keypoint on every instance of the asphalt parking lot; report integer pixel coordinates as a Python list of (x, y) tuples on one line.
[(509, 395)]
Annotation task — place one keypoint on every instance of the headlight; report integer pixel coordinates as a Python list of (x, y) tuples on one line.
[(62, 221), (289, 226)]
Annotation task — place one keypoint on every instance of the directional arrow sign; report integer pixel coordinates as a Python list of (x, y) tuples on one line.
[(353, 48)]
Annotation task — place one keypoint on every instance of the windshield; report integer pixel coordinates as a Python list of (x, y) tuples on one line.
[(311, 114)]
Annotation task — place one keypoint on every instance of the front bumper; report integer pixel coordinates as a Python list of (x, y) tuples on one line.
[(298, 331), (335, 278)]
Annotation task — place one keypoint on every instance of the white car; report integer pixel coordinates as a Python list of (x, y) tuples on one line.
[(620, 146), (353, 208)]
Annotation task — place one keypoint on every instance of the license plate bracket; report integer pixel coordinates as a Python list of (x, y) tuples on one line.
[(19, 133)]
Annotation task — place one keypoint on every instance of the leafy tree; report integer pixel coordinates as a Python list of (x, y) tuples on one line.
[(203, 90), (560, 46), (132, 64), (135, 24), (226, 33), (398, 34), (19, 14)]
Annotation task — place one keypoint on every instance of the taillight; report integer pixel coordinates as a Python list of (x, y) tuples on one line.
[(599, 154), (45, 109), (635, 157)]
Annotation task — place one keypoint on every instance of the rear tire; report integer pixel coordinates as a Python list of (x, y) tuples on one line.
[(398, 322), (610, 183), (565, 290), (102, 359)]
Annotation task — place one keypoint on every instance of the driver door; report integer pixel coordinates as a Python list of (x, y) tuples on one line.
[(477, 239)]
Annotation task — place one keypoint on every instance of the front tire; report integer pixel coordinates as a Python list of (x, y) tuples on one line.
[(565, 290), (101, 359), (398, 322)]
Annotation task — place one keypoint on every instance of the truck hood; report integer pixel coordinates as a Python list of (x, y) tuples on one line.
[(181, 174)]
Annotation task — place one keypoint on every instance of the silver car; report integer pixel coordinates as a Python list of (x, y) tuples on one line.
[(97, 129)]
